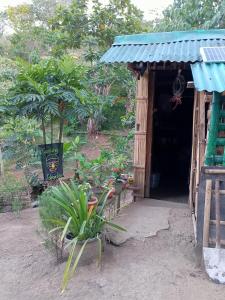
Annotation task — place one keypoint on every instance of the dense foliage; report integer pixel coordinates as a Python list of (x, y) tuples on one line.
[(192, 14), (50, 70)]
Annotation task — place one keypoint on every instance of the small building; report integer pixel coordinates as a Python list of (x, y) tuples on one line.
[(180, 121)]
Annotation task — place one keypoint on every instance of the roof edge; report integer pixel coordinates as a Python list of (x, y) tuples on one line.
[(169, 37)]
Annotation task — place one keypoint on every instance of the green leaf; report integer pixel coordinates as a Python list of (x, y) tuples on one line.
[(78, 257), (66, 228), (66, 275)]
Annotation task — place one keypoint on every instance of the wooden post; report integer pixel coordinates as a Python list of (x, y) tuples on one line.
[(217, 210), (151, 94), (202, 129), (208, 196), (200, 155), (140, 132), (192, 187)]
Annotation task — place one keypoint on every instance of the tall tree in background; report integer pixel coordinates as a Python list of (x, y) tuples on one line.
[(77, 28), (70, 25), (32, 35), (192, 14), (115, 18)]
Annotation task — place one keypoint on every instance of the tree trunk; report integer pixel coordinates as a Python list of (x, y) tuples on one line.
[(61, 124), (51, 129), (91, 127), (1, 163), (43, 130)]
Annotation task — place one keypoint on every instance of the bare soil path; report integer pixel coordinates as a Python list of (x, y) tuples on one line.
[(162, 266)]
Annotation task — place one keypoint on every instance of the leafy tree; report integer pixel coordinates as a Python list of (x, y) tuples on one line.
[(32, 34), (70, 24), (3, 18), (76, 28), (192, 14), (20, 136), (117, 17), (20, 17), (8, 71)]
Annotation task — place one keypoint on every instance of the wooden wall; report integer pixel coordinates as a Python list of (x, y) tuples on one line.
[(140, 132), (198, 146), (143, 131)]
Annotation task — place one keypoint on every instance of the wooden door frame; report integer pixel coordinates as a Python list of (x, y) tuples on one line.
[(198, 148), (149, 134)]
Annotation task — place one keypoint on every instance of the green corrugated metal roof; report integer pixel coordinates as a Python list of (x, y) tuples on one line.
[(209, 76), (179, 46)]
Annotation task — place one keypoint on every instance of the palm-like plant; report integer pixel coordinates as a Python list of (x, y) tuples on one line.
[(47, 90), (65, 208)]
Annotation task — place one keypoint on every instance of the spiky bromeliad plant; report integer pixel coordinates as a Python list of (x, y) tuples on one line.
[(65, 208)]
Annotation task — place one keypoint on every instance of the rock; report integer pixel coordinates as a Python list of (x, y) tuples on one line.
[(35, 204), (141, 221)]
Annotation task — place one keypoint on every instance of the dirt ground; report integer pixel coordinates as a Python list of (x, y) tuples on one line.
[(161, 267)]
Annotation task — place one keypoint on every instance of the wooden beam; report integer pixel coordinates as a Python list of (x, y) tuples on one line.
[(214, 171), (214, 222), (170, 66), (213, 242), (151, 95)]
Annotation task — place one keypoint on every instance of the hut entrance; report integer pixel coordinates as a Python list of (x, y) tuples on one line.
[(172, 139)]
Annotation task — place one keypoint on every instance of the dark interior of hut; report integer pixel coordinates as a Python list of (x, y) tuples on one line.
[(172, 137)]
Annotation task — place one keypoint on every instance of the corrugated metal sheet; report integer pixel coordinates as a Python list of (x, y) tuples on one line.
[(209, 76), (169, 46), (169, 37)]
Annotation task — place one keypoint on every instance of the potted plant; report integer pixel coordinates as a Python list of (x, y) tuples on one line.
[(118, 166), (92, 199), (65, 209)]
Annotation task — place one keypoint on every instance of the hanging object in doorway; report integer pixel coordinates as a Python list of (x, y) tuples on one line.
[(178, 89)]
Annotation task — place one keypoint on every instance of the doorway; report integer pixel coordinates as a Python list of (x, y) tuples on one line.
[(172, 139)]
